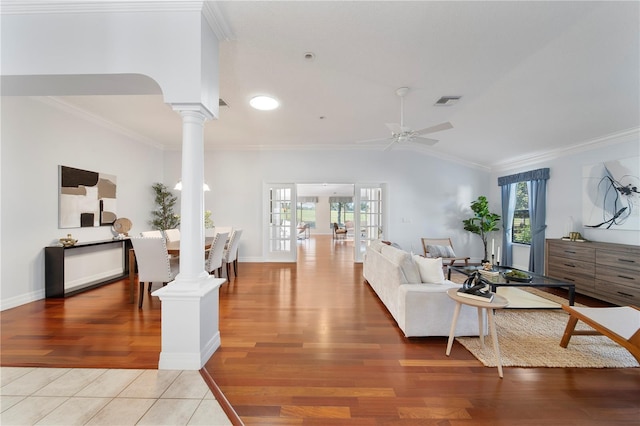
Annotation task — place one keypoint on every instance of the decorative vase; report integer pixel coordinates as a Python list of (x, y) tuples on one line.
[(68, 242)]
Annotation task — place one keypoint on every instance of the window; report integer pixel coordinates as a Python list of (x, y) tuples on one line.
[(521, 221), (341, 212), (307, 214)]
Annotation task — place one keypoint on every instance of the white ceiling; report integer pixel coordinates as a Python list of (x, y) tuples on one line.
[(534, 77)]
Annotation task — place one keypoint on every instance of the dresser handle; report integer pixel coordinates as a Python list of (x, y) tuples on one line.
[(625, 294), (570, 265), (626, 278), (569, 279), (569, 251), (627, 260)]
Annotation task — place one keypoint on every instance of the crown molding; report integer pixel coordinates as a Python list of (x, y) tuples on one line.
[(603, 141), (217, 22), (58, 103), (43, 6)]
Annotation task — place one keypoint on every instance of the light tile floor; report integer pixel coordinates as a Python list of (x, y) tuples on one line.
[(87, 396)]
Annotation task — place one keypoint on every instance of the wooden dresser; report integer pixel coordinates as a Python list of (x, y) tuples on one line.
[(606, 271)]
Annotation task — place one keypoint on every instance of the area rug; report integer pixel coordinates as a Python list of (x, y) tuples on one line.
[(531, 338)]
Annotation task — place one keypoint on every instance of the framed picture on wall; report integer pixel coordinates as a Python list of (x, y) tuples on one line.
[(611, 197), (86, 198)]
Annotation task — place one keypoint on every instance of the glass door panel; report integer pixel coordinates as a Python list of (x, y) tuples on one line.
[(281, 223), (369, 217)]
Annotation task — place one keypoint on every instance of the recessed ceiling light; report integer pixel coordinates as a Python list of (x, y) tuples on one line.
[(264, 103), (309, 56)]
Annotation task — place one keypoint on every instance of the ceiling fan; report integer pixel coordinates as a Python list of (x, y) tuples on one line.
[(402, 134)]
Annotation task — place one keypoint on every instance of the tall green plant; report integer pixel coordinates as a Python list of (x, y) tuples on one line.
[(482, 222), (163, 217)]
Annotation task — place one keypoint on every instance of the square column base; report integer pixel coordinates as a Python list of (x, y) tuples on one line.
[(190, 333)]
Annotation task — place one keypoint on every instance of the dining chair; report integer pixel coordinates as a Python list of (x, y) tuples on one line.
[(154, 263), (231, 252), (151, 234), (215, 254), (172, 234)]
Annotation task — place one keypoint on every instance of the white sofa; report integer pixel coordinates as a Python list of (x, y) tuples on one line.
[(419, 308)]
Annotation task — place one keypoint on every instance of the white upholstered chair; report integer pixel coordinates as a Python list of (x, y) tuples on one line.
[(215, 253), (172, 234), (231, 252), (151, 234), (154, 264)]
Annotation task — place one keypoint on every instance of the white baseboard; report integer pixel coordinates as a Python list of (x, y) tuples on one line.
[(23, 299)]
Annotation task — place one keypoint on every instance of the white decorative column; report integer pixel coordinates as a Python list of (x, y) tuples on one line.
[(190, 333)]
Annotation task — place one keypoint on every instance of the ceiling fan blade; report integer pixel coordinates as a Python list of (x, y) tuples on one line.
[(433, 129), (388, 147), (424, 141)]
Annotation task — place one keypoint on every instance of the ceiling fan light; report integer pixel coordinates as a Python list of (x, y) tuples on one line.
[(264, 103)]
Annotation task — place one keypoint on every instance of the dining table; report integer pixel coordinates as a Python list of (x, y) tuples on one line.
[(173, 248)]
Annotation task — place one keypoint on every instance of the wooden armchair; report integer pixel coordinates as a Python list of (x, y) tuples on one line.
[(442, 247), (339, 233)]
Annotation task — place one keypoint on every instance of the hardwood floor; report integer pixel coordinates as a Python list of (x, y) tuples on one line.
[(311, 344)]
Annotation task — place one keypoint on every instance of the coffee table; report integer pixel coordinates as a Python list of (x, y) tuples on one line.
[(537, 280)]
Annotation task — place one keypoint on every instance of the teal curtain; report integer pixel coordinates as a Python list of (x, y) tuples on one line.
[(508, 209), (538, 217), (537, 187)]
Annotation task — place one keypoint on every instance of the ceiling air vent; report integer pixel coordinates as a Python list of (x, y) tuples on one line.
[(447, 100), (221, 102)]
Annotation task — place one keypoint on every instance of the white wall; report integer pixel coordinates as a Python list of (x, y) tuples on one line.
[(427, 196), (564, 191), (36, 138)]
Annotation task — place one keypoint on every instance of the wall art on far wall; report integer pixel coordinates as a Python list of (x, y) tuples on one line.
[(611, 197), (86, 198)]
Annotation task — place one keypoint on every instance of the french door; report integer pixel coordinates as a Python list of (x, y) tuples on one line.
[(280, 228), (369, 217)]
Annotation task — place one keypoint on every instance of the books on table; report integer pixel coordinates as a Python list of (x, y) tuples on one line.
[(476, 293), (489, 275)]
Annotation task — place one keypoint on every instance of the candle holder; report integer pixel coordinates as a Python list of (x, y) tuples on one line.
[(493, 258)]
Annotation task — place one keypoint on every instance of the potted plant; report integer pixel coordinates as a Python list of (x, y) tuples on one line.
[(163, 216), (482, 222)]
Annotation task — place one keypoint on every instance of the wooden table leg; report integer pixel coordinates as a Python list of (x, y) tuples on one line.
[(132, 276), (452, 332), (481, 327), (494, 337)]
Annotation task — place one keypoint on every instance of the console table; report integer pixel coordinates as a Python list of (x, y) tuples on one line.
[(54, 267), (606, 271)]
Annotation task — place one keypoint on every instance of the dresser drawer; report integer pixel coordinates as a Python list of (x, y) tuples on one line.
[(572, 271), (580, 251), (619, 294), (625, 277), (629, 260)]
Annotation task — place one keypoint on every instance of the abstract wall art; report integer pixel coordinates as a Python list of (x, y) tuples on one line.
[(611, 197), (86, 198)]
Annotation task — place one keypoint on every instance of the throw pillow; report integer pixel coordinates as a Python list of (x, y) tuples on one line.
[(440, 251), (430, 269)]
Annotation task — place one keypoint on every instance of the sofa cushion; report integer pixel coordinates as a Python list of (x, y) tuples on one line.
[(376, 245), (430, 270), (408, 268), (440, 251)]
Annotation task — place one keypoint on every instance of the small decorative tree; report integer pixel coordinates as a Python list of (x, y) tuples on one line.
[(482, 222), (163, 216), (208, 222)]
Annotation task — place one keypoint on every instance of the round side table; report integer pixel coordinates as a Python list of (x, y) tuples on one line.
[(498, 302)]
